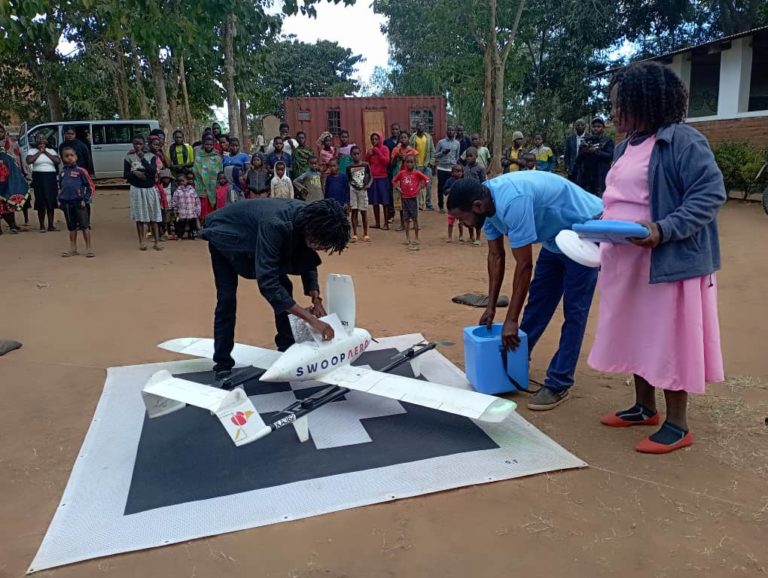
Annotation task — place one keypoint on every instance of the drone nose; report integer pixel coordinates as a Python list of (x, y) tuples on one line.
[(273, 374)]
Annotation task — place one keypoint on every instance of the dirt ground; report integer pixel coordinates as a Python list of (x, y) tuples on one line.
[(697, 512)]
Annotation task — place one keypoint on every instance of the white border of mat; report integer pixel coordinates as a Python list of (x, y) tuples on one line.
[(89, 521)]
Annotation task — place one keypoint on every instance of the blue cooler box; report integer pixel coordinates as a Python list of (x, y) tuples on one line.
[(484, 364)]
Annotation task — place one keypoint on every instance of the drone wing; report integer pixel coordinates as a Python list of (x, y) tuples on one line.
[(164, 394), (203, 347), (463, 402)]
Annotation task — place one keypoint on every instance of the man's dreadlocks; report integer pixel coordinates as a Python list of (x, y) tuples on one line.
[(651, 94), (326, 225)]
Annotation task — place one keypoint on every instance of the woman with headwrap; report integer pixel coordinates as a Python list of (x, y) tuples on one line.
[(14, 190)]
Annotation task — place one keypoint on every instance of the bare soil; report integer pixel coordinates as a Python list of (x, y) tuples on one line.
[(697, 512)]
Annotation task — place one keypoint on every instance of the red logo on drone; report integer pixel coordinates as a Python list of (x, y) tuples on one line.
[(241, 417)]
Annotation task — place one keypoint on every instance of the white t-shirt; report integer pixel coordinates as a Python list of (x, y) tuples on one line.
[(43, 164)]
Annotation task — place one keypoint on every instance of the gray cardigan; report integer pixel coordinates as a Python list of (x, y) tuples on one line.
[(686, 193)]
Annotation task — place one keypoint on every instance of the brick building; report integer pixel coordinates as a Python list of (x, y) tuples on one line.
[(727, 81)]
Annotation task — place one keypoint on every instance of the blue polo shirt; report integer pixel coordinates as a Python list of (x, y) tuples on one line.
[(534, 206)]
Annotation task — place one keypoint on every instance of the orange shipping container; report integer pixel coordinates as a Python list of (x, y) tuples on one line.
[(363, 115)]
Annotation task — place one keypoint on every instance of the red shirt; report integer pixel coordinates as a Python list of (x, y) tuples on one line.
[(409, 182)]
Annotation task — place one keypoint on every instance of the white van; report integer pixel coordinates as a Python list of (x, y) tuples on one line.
[(109, 140)]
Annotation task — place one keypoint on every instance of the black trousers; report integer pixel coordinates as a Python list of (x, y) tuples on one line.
[(227, 268), (442, 178)]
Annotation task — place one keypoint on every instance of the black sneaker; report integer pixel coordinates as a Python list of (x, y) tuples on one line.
[(222, 379), (546, 399)]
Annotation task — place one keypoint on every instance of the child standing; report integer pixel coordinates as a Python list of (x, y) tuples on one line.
[(457, 173), (166, 204), (359, 176), (473, 170), (326, 150), (483, 154), (345, 152), (380, 192), (399, 154), (257, 178), (281, 185), (337, 185), (208, 164), (225, 193), (301, 154), (309, 185), (279, 155), (410, 182), (75, 191), (528, 162), (545, 158), (186, 204)]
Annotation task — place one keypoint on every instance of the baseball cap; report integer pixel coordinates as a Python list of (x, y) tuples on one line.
[(516, 135), (598, 120)]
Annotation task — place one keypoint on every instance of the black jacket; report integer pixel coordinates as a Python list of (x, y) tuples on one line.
[(266, 229), (84, 159)]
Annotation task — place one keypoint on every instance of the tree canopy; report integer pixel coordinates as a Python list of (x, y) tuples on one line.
[(169, 59)]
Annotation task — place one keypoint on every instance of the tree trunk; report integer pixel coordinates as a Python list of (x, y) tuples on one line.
[(233, 107), (123, 102), (173, 97), (500, 64), (139, 75), (486, 122), (243, 121), (161, 97), (54, 101), (185, 100)]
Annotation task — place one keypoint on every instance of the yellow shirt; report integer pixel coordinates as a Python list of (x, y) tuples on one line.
[(420, 143), (514, 154)]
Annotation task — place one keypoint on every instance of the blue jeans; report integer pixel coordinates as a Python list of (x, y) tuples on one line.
[(557, 277)]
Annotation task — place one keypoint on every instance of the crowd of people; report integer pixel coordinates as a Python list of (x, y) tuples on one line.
[(174, 185)]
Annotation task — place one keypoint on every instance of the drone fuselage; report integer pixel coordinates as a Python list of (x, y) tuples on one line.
[(309, 361)]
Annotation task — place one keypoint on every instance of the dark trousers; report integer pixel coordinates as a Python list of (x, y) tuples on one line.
[(227, 267), (183, 225), (442, 177), (557, 277)]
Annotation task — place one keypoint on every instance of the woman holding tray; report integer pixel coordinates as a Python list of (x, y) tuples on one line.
[(658, 296)]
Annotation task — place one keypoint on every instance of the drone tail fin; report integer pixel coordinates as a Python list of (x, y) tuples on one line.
[(340, 299)]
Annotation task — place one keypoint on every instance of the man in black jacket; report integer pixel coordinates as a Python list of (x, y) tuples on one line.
[(84, 158), (572, 144), (594, 159), (267, 240)]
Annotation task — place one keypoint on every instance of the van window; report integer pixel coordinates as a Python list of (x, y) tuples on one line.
[(117, 134), (97, 136), (141, 129), (51, 136)]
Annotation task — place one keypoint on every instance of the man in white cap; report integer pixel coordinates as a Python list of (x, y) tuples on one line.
[(514, 157)]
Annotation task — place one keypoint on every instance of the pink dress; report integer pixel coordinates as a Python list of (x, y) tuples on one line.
[(667, 333)]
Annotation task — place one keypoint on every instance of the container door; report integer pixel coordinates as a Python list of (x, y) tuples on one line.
[(373, 121)]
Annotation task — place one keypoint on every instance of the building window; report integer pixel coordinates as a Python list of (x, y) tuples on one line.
[(334, 122), (758, 86), (705, 84), (427, 116)]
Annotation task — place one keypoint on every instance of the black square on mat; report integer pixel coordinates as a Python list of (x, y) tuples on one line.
[(187, 455)]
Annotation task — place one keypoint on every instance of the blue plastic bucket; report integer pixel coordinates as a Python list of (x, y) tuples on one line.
[(484, 363)]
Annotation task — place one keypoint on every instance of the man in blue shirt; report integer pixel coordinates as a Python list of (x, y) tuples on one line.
[(533, 207)]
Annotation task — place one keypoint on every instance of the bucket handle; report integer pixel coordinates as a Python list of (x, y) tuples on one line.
[(512, 380)]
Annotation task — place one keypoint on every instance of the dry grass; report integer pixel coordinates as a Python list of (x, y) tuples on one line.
[(737, 412)]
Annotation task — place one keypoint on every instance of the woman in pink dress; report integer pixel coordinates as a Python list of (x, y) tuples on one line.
[(658, 296)]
